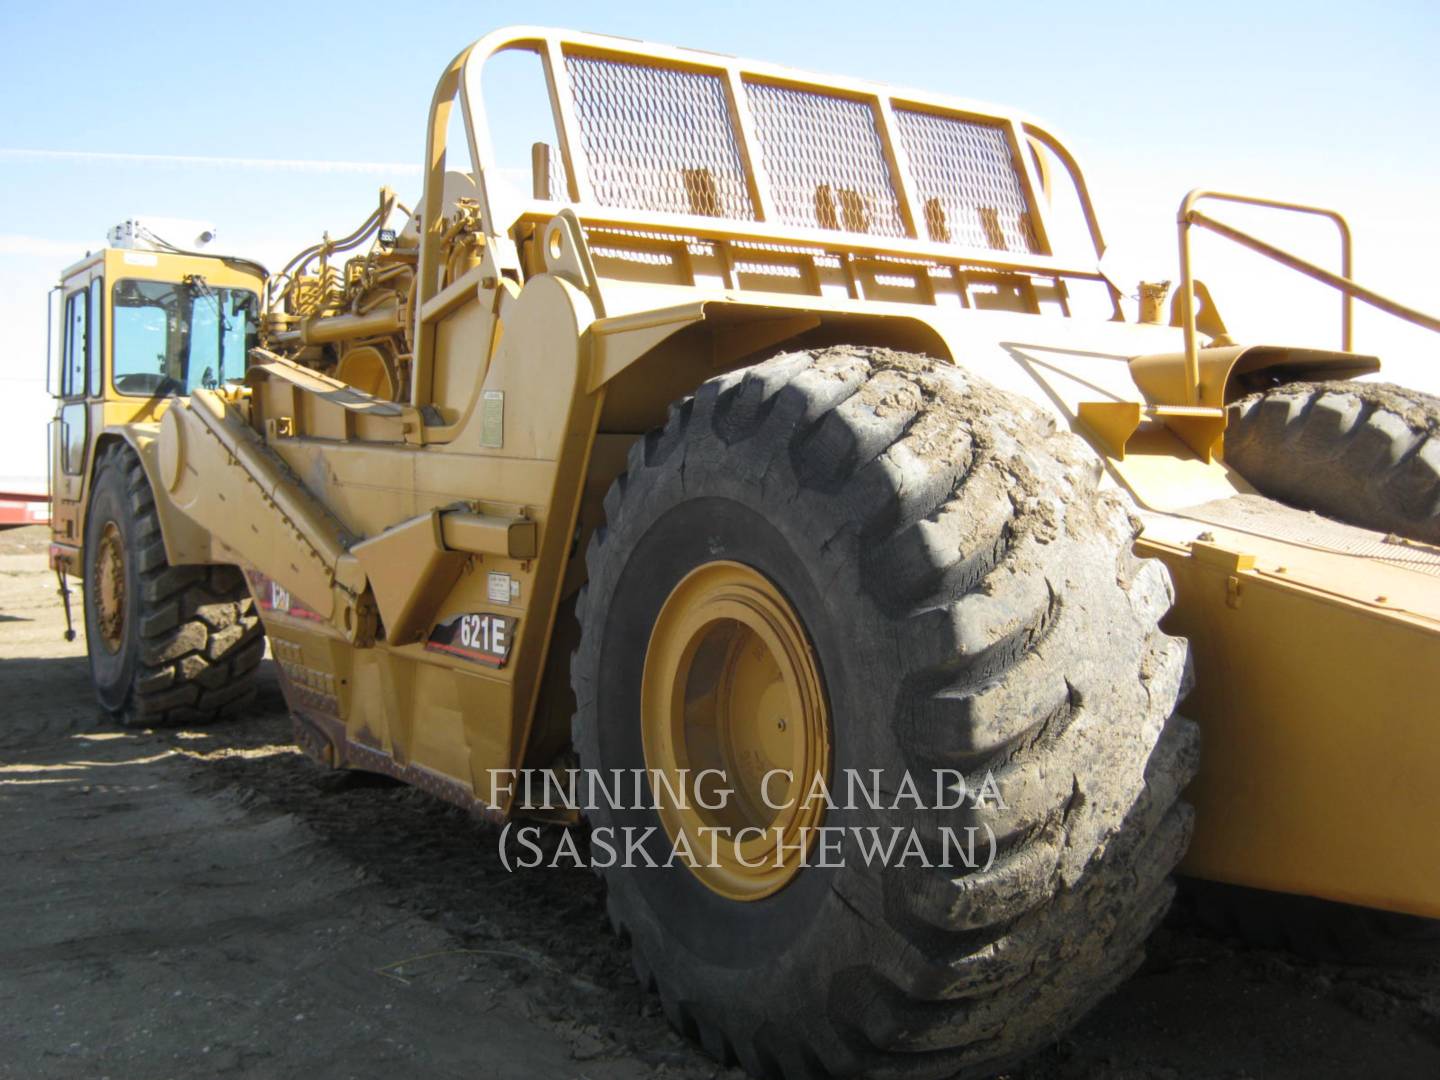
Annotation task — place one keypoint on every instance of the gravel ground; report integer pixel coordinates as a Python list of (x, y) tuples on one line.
[(200, 903)]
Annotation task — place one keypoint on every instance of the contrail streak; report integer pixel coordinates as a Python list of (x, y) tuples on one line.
[(12, 244), (263, 164)]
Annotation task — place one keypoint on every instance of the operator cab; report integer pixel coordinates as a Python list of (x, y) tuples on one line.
[(133, 325)]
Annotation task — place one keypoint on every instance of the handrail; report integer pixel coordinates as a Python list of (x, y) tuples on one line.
[(1348, 288)]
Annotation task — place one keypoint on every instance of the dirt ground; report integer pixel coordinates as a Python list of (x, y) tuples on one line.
[(198, 903)]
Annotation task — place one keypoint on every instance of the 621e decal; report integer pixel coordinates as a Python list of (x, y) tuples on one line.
[(478, 636)]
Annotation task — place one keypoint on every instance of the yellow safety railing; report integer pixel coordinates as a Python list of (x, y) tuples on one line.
[(1350, 290)]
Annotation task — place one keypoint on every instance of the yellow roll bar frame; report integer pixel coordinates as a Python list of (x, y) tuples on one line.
[(1349, 289)]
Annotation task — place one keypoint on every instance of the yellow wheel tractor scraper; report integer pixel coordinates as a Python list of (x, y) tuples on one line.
[(764, 447)]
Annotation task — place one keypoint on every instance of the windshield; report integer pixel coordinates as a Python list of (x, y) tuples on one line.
[(173, 338)]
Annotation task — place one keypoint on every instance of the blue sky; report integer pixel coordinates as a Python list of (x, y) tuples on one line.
[(1286, 78), (1327, 102)]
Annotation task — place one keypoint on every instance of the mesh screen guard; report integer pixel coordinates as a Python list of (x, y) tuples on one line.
[(658, 139), (664, 138)]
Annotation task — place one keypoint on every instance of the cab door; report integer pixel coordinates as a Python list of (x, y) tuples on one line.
[(79, 383)]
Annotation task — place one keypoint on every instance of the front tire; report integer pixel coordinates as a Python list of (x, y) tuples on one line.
[(167, 644), (971, 603)]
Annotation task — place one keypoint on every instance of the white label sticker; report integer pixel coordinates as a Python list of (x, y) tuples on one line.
[(497, 587), (492, 418), (140, 258)]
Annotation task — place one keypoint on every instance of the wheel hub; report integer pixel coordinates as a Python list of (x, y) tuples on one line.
[(733, 718), (110, 587)]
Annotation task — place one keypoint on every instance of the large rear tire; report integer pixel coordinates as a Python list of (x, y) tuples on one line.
[(1364, 453), (966, 599), (168, 644)]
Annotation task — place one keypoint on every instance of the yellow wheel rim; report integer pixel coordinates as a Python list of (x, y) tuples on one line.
[(731, 701), (110, 587)]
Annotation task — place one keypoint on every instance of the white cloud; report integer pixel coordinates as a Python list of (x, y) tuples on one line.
[(39, 246), (383, 168)]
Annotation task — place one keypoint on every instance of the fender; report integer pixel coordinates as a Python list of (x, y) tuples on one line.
[(1231, 371), (186, 544)]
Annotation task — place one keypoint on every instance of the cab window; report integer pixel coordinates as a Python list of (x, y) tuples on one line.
[(72, 382), (171, 338), (96, 337)]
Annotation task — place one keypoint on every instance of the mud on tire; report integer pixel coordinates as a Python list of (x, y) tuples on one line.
[(190, 639), (973, 603), (1365, 453)]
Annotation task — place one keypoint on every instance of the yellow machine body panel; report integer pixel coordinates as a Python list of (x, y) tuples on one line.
[(1322, 756)]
